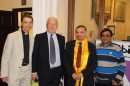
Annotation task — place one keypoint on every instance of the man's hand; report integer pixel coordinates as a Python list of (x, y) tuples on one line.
[(34, 76), (79, 76), (121, 83), (95, 79), (5, 79), (114, 83), (74, 76)]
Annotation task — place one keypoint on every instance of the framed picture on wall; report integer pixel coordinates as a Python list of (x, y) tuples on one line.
[(112, 28), (96, 9), (128, 38), (23, 2), (119, 10)]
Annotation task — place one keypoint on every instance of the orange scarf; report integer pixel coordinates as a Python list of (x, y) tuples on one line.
[(84, 59)]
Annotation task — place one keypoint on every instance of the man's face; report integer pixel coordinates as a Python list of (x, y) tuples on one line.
[(106, 38), (80, 33), (52, 25), (27, 24)]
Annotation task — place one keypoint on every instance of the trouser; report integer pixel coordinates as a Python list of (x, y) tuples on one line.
[(100, 84), (24, 77), (53, 78)]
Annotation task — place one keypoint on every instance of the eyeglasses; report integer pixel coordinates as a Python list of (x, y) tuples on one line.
[(107, 36)]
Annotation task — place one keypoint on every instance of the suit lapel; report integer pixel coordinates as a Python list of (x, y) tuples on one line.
[(58, 38), (30, 44), (20, 38), (45, 42), (30, 41), (72, 49)]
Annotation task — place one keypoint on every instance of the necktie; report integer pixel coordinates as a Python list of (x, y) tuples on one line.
[(52, 51), (79, 55)]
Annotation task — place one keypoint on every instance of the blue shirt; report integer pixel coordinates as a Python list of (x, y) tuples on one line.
[(111, 63)]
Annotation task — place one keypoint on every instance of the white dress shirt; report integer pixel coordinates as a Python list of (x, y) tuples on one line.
[(57, 50)]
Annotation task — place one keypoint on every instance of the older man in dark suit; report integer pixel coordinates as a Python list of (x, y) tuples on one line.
[(47, 55), (80, 60)]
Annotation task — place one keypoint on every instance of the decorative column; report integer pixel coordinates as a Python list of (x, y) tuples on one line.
[(71, 13), (54, 8), (101, 16), (41, 10)]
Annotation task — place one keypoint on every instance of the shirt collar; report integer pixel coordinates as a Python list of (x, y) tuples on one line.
[(24, 33), (50, 34), (80, 41), (110, 45)]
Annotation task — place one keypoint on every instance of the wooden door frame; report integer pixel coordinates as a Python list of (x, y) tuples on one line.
[(71, 14), (15, 13)]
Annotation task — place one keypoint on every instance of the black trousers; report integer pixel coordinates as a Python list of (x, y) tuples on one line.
[(53, 78), (100, 84)]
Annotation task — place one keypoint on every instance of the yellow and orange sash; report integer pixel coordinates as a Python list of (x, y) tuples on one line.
[(84, 59)]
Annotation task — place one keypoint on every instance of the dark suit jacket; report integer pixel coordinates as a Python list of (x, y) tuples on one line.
[(68, 63), (40, 56)]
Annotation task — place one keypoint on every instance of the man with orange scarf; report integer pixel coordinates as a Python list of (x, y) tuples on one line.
[(80, 59)]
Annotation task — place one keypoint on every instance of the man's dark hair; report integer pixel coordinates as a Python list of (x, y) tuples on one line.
[(26, 15), (82, 26), (104, 30)]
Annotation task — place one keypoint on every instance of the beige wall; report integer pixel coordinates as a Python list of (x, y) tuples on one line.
[(17, 4), (5, 5), (62, 17), (10, 4), (128, 20), (83, 17), (62, 12), (122, 29)]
